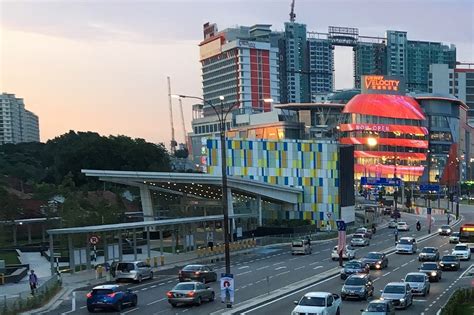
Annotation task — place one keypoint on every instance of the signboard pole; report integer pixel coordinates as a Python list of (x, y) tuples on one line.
[(341, 239), (428, 216), (227, 289)]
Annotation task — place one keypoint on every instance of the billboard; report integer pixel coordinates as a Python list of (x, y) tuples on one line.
[(383, 84), (210, 49)]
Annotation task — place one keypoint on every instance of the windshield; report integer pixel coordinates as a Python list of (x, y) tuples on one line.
[(192, 268), (312, 301), (394, 289), (402, 223), (460, 247), (455, 234), (125, 267), (357, 236), (353, 265), (297, 244), (355, 281), (405, 241), (377, 307), (102, 291), (429, 266), (374, 256), (449, 258), (361, 230), (446, 227), (429, 250), (415, 278), (184, 286)]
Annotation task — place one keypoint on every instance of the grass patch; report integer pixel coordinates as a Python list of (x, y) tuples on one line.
[(465, 309), (10, 258)]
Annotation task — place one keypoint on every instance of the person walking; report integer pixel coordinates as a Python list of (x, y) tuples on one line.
[(33, 279)]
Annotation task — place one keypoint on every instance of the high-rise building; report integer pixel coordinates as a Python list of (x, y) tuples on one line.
[(296, 56), (16, 123), (396, 53), (320, 67), (369, 58)]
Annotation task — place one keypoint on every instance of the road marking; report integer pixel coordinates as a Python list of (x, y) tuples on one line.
[(151, 303), (279, 268), (169, 281), (282, 273), (73, 308), (317, 252), (419, 300), (299, 268), (404, 264), (185, 310), (314, 263), (129, 311), (376, 279), (262, 267), (153, 286), (243, 267), (396, 269), (144, 289), (293, 258), (317, 267), (324, 250), (278, 263), (243, 273), (326, 259), (83, 307), (386, 274)]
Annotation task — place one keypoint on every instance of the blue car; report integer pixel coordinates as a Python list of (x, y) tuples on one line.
[(110, 297)]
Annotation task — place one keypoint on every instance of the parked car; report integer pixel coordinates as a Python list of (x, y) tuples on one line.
[(347, 253), (462, 252), (202, 273), (110, 296), (352, 267), (376, 260), (134, 270), (445, 230), (392, 224), (449, 262), (454, 238), (302, 246), (365, 231), (379, 307), (419, 282), (359, 240), (432, 270), (428, 254), (406, 245), (357, 286), (318, 303), (399, 293), (403, 226), (190, 293)]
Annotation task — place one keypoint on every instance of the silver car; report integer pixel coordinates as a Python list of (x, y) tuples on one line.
[(134, 270), (419, 282), (190, 293), (359, 240), (399, 293)]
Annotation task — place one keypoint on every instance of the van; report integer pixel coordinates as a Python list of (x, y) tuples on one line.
[(300, 247)]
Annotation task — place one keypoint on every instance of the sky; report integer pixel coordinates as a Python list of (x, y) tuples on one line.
[(101, 65)]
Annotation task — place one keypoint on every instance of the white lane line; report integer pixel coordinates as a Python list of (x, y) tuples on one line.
[(396, 269), (325, 250), (278, 263), (243, 267), (151, 303), (317, 267), (261, 268), (299, 268), (169, 281), (244, 273), (185, 310), (376, 279), (243, 287), (404, 264), (386, 274), (293, 258), (279, 268), (161, 283), (83, 307), (326, 259), (129, 311), (153, 286), (282, 273), (314, 263), (73, 308)]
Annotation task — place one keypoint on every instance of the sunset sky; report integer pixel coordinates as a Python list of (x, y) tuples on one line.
[(102, 65)]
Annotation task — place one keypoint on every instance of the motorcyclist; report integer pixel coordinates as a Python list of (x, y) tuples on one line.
[(374, 229), (418, 225)]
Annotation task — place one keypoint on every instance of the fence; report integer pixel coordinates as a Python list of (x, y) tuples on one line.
[(10, 303)]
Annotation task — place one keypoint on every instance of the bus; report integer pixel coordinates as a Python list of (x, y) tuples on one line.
[(466, 235)]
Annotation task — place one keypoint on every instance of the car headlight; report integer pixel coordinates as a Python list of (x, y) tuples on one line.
[(439, 230), (433, 273), (402, 300), (377, 266), (441, 264)]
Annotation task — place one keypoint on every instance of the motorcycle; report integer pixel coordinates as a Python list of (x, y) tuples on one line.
[(418, 227)]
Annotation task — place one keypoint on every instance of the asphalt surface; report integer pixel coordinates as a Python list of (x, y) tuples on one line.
[(269, 269)]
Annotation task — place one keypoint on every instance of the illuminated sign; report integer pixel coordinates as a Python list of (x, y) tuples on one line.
[(467, 229), (371, 127), (416, 130), (381, 84)]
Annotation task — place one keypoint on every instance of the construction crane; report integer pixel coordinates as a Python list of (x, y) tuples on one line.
[(292, 12), (183, 125), (173, 140)]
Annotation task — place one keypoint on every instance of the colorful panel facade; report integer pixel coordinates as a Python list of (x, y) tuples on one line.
[(311, 165)]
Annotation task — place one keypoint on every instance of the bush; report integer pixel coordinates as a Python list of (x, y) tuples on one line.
[(459, 297)]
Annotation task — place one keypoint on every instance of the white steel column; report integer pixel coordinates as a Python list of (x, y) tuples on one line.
[(259, 209), (147, 205)]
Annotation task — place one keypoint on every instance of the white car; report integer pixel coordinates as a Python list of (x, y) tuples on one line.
[(359, 240), (454, 237), (318, 303), (403, 226), (392, 224), (348, 253), (406, 245), (462, 252)]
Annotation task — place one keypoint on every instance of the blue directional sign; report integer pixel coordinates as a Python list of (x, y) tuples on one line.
[(428, 210), (429, 187), (341, 225), (380, 181)]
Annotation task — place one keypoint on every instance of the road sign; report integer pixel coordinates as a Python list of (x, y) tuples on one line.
[(94, 239), (341, 225), (429, 187), (328, 214), (227, 288), (380, 181)]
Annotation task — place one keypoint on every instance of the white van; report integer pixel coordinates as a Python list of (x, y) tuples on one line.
[(300, 247)]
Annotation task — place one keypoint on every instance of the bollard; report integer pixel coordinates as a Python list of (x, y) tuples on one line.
[(148, 261), (100, 270), (2, 279), (155, 262), (162, 260)]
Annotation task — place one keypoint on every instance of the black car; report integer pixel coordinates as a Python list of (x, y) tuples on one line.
[(395, 215), (376, 260), (432, 270), (200, 273), (357, 286), (449, 262), (428, 254), (352, 267)]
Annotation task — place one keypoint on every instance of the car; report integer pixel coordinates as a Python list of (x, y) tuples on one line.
[(449, 262), (376, 260), (454, 238), (462, 252), (379, 307), (357, 286), (392, 224), (432, 270), (387, 211), (318, 303), (202, 273), (403, 226), (428, 254), (399, 293), (419, 282), (444, 230), (302, 246), (395, 214), (365, 231), (192, 292), (406, 245), (352, 267), (359, 240), (110, 296), (133, 270), (348, 253)]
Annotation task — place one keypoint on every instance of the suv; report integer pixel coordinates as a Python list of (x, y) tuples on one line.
[(399, 293), (419, 283), (406, 245), (462, 252), (357, 286), (450, 262), (135, 270)]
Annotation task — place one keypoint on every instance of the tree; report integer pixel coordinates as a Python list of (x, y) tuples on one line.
[(10, 208), (182, 153)]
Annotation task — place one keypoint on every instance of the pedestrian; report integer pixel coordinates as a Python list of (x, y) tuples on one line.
[(396, 235), (33, 279)]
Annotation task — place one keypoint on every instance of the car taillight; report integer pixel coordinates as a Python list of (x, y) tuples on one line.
[(111, 295), (197, 273), (89, 295), (169, 294), (190, 293)]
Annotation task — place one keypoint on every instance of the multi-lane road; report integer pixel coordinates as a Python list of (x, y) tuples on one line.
[(260, 274)]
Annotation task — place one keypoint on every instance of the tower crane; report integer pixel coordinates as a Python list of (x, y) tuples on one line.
[(173, 140), (292, 12)]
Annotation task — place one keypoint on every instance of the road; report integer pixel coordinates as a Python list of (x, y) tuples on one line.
[(269, 269)]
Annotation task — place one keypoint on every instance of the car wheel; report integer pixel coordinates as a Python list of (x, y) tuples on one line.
[(212, 298), (134, 301), (118, 306), (90, 309), (173, 304), (151, 275), (338, 312), (139, 279), (425, 291), (198, 301)]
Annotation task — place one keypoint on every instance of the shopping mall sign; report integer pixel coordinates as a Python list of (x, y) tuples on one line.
[(383, 84)]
